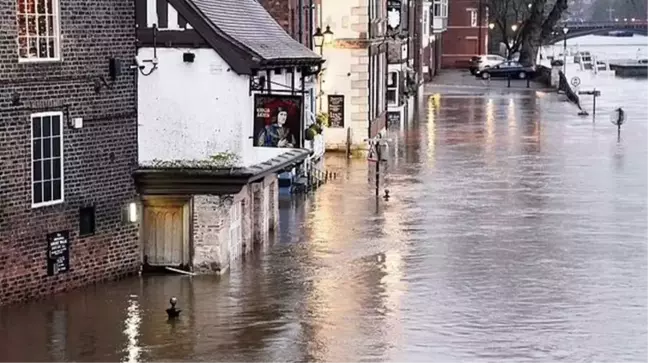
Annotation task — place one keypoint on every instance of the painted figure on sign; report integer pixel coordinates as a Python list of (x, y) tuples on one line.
[(276, 134)]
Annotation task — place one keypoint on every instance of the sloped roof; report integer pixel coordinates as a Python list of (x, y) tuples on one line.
[(249, 23), (244, 34)]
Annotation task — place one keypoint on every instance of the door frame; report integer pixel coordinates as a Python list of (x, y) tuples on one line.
[(187, 218)]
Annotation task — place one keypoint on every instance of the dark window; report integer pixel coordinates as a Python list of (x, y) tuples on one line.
[(47, 158), (87, 221), (392, 79), (391, 96)]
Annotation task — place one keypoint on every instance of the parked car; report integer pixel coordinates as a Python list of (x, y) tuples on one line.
[(508, 68), (479, 63)]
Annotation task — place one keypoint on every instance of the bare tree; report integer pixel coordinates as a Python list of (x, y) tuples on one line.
[(523, 24)]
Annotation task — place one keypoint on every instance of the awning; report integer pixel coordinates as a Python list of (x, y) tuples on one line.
[(216, 181)]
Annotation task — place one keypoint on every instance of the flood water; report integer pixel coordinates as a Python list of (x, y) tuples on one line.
[(516, 231)]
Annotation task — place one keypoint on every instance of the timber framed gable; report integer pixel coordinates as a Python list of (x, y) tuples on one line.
[(240, 31)]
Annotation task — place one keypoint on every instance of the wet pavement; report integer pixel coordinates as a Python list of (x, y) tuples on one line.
[(516, 231)]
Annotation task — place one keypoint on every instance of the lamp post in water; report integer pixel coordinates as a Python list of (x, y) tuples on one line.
[(565, 30)]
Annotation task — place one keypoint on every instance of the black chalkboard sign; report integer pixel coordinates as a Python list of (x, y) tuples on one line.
[(336, 110), (58, 253), (393, 118)]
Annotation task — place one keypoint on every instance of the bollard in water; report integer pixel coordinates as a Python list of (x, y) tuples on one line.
[(528, 82), (172, 312), (508, 79)]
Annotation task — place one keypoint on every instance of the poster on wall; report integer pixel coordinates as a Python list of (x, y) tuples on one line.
[(277, 120), (336, 110), (58, 253)]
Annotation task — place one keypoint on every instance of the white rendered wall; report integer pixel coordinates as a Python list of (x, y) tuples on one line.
[(191, 111)]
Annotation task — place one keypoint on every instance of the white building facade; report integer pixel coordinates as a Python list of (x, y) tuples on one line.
[(353, 83), (222, 109)]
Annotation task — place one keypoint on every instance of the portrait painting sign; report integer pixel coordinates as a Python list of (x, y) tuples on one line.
[(277, 120)]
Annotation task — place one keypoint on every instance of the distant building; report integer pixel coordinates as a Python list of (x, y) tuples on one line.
[(467, 33), (352, 86), (435, 24), (222, 109), (298, 24), (404, 54), (68, 145)]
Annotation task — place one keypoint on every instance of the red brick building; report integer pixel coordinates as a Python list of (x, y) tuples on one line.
[(68, 145), (467, 33), (287, 13)]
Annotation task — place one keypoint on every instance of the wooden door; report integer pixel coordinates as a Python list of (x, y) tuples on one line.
[(166, 231)]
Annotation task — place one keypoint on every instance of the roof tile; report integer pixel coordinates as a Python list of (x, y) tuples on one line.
[(247, 22)]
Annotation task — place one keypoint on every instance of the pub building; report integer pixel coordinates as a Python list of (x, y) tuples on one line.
[(222, 104)]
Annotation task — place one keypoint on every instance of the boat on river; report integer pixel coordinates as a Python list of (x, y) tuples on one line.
[(637, 68)]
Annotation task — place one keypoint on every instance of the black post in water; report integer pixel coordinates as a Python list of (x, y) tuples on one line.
[(508, 78), (528, 82), (618, 132), (594, 106), (379, 157)]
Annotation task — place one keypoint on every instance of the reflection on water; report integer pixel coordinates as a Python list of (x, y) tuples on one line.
[(515, 232), (132, 331)]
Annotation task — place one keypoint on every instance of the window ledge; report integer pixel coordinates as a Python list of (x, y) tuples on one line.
[(38, 60), (47, 204)]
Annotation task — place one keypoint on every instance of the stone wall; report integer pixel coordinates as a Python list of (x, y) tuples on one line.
[(98, 158), (216, 241)]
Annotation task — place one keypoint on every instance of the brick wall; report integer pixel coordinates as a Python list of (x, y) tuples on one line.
[(213, 252), (211, 226), (286, 13), (461, 40), (98, 158)]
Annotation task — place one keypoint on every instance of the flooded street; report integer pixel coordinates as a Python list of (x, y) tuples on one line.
[(516, 231)]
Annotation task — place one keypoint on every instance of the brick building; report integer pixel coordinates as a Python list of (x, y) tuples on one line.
[(68, 144), (467, 33), (287, 13)]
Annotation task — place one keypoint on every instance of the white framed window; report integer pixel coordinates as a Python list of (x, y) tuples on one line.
[(473, 17), (437, 10), (235, 231), (47, 159), (392, 88), (38, 30), (444, 8)]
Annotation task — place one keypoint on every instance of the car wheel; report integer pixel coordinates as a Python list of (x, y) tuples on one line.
[(485, 75), (522, 75)]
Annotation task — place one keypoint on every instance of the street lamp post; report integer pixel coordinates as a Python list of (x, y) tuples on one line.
[(514, 27), (328, 35), (565, 30), (320, 39)]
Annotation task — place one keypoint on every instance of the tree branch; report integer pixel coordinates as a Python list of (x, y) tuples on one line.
[(552, 19)]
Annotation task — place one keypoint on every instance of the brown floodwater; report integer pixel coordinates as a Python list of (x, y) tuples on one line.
[(515, 231)]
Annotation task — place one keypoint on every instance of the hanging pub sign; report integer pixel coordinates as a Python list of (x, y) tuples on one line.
[(336, 110), (393, 14), (58, 253), (277, 120)]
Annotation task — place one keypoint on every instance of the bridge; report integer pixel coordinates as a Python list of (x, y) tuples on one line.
[(579, 29)]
